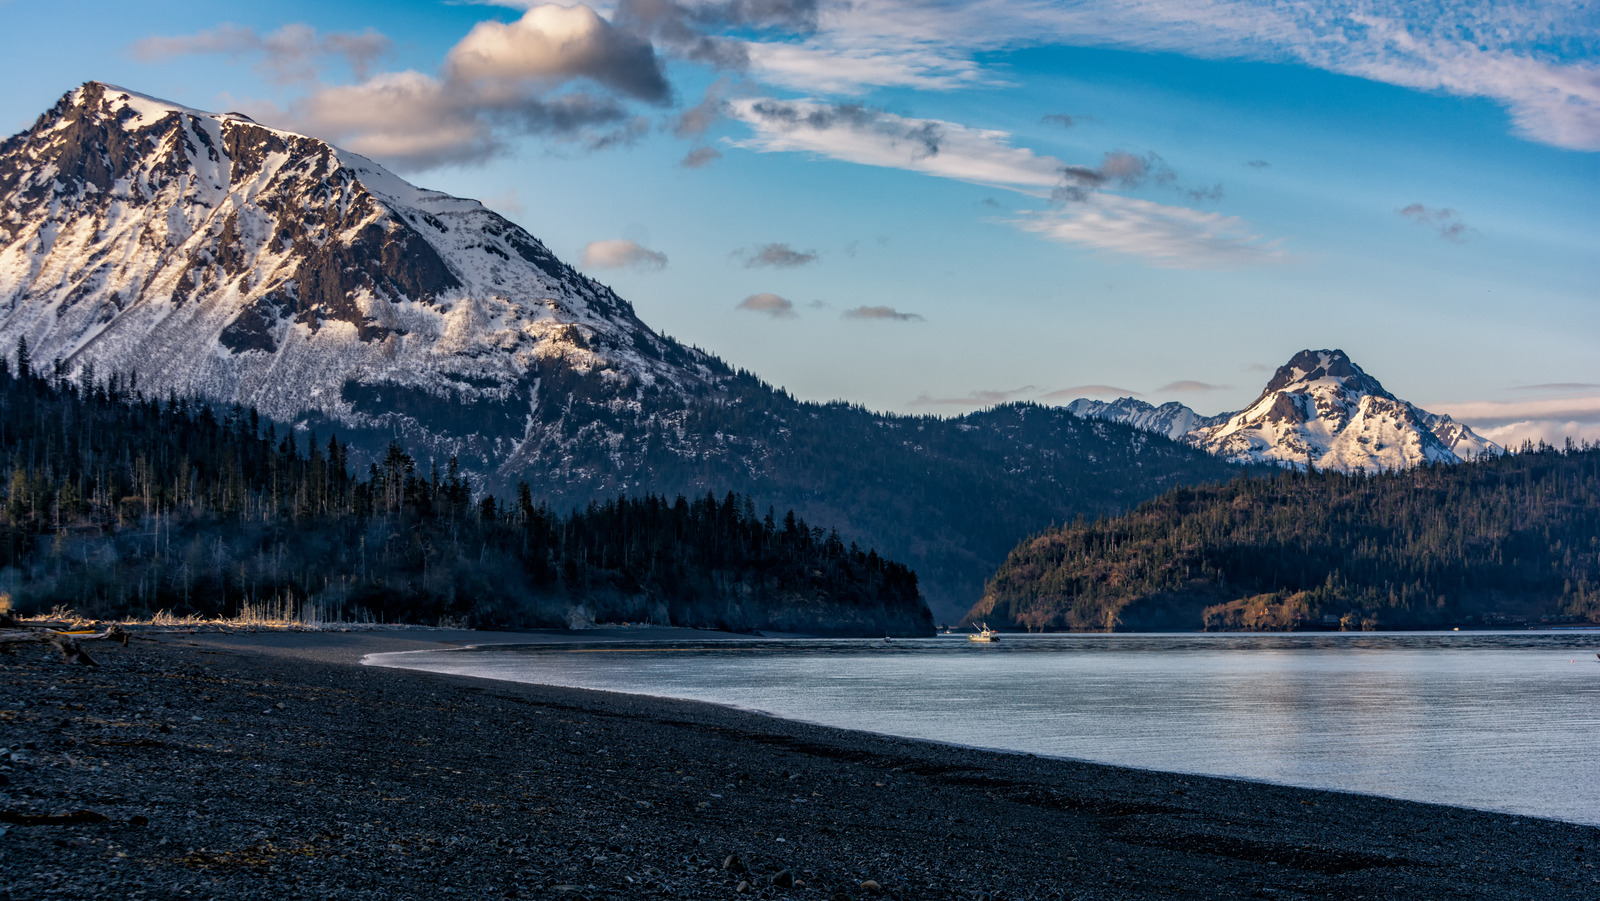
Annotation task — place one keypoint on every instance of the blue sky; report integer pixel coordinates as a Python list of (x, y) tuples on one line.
[(930, 207)]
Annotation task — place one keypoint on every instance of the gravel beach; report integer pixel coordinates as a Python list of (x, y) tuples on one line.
[(272, 765)]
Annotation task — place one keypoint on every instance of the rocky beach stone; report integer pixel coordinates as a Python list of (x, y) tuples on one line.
[(377, 783)]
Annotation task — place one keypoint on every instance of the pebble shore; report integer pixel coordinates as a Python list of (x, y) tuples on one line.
[(222, 766)]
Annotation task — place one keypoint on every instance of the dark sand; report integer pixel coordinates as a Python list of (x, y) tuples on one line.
[(269, 766)]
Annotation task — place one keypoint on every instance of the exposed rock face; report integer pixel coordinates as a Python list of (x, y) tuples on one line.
[(217, 257), (1319, 408)]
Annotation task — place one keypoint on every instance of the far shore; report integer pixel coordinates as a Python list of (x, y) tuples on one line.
[(267, 764)]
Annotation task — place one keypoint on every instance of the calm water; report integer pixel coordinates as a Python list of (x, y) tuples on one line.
[(1507, 721)]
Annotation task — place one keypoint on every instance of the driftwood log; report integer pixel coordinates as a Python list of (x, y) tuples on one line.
[(65, 642)]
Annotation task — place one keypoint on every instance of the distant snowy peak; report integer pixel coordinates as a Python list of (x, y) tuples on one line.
[(1171, 419), (1320, 409), (1462, 441), (215, 256)]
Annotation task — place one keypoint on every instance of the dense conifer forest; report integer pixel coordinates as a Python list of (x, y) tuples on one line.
[(116, 504), (1500, 541)]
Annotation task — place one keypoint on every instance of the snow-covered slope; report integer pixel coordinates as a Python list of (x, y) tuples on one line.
[(1319, 408), (213, 256), (1171, 419)]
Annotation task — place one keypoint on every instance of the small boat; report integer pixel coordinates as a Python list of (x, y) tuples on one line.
[(984, 634)]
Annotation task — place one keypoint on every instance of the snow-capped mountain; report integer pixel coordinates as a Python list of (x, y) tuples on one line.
[(1319, 408), (213, 256)]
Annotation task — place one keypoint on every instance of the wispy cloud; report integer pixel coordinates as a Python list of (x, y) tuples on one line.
[(1535, 57), (620, 254), (1491, 413), (1077, 391), (776, 256), (1190, 386), (700, 157), (1445, 221), (855, 66), (715, 32), (881, 313), (981, 398), (768, 304), (861, 134), (697, 119), (1166, 236), (1119, 168), (1170, 236), (294, 52), (1558, 386)]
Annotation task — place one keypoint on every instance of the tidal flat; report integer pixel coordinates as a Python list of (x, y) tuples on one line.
[(273, 765)]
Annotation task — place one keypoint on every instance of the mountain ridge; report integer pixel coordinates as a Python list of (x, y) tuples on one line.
[(1319, 409)]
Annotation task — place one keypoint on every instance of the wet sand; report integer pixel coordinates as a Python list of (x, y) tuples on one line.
[(272, 765)]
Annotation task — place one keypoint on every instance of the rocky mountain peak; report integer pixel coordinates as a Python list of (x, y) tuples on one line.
[(217, 257), (1319, 409), (1310, 368)]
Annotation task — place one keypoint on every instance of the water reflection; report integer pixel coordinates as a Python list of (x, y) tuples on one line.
[(1502, 721)]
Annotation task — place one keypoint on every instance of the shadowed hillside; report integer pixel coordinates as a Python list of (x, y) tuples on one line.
[(1502, 540)]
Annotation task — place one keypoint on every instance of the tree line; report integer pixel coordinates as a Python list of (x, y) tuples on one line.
[(119, 504), (1501, 540)]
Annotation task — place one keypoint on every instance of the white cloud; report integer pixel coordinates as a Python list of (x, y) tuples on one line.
[(556, 44), (408, 118), (621, 254), (558, 72), (1168, 236)]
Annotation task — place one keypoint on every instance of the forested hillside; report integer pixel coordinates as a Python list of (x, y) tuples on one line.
[(1497, 541), (119, 504)]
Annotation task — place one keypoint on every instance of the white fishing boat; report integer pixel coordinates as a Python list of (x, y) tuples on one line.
[(984, 634)]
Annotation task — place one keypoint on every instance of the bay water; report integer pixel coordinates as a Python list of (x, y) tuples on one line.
[(1498, 721)]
